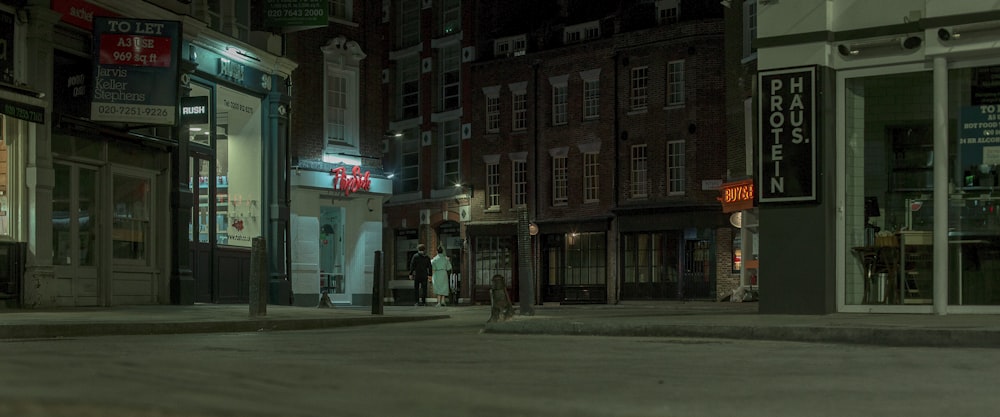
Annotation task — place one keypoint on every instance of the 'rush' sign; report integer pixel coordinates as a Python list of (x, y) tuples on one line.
[(787, 152)]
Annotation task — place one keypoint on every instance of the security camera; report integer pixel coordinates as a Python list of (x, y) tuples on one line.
[(946, 34), (911, 42)]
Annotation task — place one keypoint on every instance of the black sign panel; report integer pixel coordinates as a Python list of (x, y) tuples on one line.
[(72, 78), (194, 110), (787, 152), (22, 111), (6, 47)]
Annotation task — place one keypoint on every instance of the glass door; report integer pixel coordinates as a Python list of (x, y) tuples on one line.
[(75, 221)]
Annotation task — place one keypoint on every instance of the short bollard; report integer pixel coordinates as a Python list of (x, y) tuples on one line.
[(258, 277)]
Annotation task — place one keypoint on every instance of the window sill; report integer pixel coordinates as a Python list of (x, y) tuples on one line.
[(673, 106), (344, 22), (634, 112)]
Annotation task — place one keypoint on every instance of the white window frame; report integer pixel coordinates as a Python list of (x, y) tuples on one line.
[(582, 32), (450, 65), (591, 100), (640, 162), (451, 11), (559, 98), (351, 115), (409, 172), (675, 167), (335, 102), (668, 11), (560, 180), (493, 113), (591, 176), (451, 152), (229, 17), (510, 46), (493, 186), (408, 71), (749, 30), (408, 23), (639, 86), (519, 183), (675, 83), (519, 112)]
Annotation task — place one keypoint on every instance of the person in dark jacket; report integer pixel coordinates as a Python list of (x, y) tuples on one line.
[(420, 269)]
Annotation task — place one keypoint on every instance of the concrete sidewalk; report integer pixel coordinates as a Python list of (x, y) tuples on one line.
[(648, 319)]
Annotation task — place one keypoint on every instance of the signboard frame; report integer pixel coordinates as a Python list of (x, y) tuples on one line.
[(786, 154)]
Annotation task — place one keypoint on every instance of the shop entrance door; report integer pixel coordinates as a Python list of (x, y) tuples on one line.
[(76, 218), (202, 231), (331, 260)]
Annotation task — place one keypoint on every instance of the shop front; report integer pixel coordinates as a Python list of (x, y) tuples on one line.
[(336, 228), (231, 184), (573, 261), (924, 229), (671, 254)]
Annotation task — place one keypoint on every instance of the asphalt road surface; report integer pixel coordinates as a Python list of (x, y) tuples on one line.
[(448, 368)]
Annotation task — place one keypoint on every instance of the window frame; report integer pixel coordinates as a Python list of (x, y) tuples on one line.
[(560, 180), (450, 65), (560, 95), (675, 83), (591, 99), (675, 167), (408, 23), (351, 115), (335, 6), (750, 9), (407, 72), (639, 88), (519, 183), (493, 186), (492, 113), (519, 112), (409, 173), (448, 15), (450, 152), (639, 171), (591, 176)]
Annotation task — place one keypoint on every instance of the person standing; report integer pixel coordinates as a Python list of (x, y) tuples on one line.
[(440, 267), (420, 269)]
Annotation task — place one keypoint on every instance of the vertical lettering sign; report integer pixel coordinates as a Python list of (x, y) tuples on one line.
[(135, 79), (6, 47), (787, 137)]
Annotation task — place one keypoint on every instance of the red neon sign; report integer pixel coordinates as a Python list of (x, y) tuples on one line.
[(737, 196), (351, 183)]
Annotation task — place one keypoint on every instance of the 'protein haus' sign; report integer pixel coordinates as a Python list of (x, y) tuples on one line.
[(787, 153)]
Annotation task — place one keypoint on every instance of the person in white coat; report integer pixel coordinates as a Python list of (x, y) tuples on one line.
[(440, 266)]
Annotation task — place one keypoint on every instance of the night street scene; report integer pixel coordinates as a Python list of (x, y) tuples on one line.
[(499, 207)]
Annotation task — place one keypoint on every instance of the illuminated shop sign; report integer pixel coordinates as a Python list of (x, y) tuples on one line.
[(194, 110), (787, 153), (736, 196), (79, 13), (351, 183)]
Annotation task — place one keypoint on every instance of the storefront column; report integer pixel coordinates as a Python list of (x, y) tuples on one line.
[(941, 193), (182, 288), (276, 193)]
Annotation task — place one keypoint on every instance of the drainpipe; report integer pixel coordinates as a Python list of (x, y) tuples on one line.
[(615, 288), (534, 206)]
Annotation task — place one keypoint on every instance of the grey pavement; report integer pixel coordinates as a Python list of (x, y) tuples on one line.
[(696, 319)]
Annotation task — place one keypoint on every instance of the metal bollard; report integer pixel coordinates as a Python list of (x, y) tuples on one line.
[(258, 277)]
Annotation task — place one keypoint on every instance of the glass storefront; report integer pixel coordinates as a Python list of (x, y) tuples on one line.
[(229, 195), (890, 157)]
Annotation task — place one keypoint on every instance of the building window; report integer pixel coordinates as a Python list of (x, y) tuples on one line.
[(408, 23), (668, 11), (640, 83), (230, 17), (510, 46), (409, 87), (675, 167), (591, 100), (590, 177), (409, 157), (493, 186), (675, 83), (450, 64), (340, 9), (493, 114), (560, 179), (520, 183), (559, 105), (582, 32), (749, 29), (451, 152), (520, 112), (451, 17), (586, 257), (493, 256), (336, 109), (341, 103), (639, 183)]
